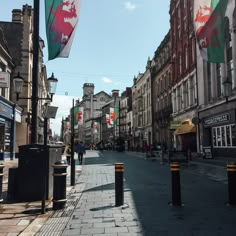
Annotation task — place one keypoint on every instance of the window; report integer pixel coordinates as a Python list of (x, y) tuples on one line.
[(218, 79), (224, 136), (209, 81), (179, 98), (186, 57), (185, 93), (191, 91)]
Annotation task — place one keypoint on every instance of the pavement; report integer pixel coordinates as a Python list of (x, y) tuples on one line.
[(87, 212)]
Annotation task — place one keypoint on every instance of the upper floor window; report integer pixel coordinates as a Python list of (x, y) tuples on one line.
[(218, 79)]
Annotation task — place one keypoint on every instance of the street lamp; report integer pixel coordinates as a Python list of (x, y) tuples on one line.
[(227, 88), (18, 82)]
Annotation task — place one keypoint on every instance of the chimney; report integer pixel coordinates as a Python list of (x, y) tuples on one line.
[(148, 66), (17, 16), (115, 93), (134, 80)]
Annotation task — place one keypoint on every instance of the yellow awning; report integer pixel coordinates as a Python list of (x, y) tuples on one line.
[(185, 128)]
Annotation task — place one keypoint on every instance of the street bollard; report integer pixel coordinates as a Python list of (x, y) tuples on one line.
[(231, 170), (1, 180), (59, 185), (176, 192), (119, 189)]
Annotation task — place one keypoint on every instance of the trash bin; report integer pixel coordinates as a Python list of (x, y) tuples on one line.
[(35, 163)]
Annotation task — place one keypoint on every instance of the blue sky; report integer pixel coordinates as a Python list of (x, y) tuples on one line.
[(113, 41)]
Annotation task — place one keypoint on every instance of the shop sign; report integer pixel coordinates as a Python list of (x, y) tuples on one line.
[(4, 79), (6, 111), (175, 124), (215, 120), (18, 116)]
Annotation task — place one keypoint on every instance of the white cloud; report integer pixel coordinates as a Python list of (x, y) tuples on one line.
[(64, 104), (106, 80), (129, 6)]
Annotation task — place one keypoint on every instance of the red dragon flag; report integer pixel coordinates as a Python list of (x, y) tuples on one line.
[(61, 17), (108, 120), (209, 28), (78, 115)]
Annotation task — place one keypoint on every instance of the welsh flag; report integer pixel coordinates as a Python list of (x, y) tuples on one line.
[(66, 125), (209, 28), (114, 112), (61, 17), (78, 115), (96, 127), (108, 120)]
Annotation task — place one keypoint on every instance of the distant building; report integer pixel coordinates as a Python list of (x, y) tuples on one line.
[(92, 111)]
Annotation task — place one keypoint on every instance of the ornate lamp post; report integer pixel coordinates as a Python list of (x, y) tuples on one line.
[(18, 82)]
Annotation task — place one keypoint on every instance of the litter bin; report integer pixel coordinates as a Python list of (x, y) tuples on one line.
[(35, 164)]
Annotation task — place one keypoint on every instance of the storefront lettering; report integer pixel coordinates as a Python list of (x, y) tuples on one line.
[(217, 119)]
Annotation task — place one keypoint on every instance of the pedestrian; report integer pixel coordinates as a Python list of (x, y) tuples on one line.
[(68, 154), (80, 149)]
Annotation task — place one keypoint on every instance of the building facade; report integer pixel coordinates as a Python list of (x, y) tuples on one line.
[(161, 94), (217, 105), (142, 109), (184, 77), (92, 112), (18, 36)]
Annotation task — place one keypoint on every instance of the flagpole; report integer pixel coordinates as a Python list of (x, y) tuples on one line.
[(34, 98), (72, 169)]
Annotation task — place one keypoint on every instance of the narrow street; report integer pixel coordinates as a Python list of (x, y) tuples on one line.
[(147, 191)]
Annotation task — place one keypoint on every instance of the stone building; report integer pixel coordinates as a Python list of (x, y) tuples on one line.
[(125, 118), (217, 93), (19, 39), (161, 94), (184, 77), (92, 111), (142, 109)]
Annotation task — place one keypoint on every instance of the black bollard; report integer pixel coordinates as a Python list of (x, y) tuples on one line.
[(1, 180), (59, 185), (119, 189), (231, 170), (176, 192)]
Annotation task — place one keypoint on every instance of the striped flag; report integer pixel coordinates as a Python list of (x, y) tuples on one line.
[(61, 17), (209, 28)]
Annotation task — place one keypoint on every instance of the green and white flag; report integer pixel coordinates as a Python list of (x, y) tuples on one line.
[(78, 115), (209, 28), (61, 17), (96, 127), (114, 113)]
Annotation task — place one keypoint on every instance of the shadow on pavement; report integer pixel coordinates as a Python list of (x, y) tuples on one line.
[(110, 186)]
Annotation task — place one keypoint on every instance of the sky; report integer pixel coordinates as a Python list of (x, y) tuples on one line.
[(113, 41)]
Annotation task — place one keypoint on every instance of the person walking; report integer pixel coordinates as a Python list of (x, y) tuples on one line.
[(80, 149)]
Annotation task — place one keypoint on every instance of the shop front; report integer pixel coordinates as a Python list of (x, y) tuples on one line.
[(219, 133), (6, 129), (185, 136)]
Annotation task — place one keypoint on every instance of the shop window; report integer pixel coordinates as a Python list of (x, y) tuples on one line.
[(233, 131), (224, 136)]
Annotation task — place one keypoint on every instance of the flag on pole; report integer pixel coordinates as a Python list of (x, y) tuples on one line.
[(96, 127), (108, 120), (66, 125), (113, 115), (61, 17), (78, 115), (209, 28)]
